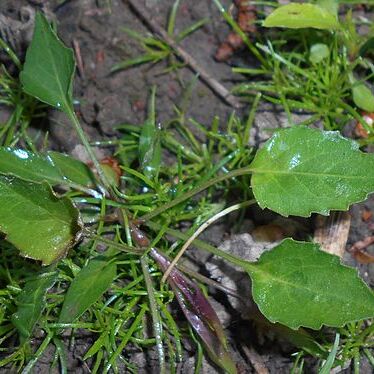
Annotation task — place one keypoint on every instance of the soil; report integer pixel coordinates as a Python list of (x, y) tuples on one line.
[(106, 100)]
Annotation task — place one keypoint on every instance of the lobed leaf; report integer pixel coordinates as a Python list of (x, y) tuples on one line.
[(297, 16), (87, 287), (297, 284), (34, 220), (49, 67), (52, 167), (30, 303), (301, 170)]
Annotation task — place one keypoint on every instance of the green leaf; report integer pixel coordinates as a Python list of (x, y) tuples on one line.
[(54, 167), (302, 170), (297, 284), (150, 143), (71, 169), (34, 220), (332, 6), (30, 303), (49, 67), (297, 16), (318, 52), (363, 97), (326, 368), (87, 287)]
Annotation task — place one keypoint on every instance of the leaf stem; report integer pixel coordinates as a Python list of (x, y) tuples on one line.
[(119, 246), (194, 191), (356, 116), (157, 324), (102, 177), (202, 227)]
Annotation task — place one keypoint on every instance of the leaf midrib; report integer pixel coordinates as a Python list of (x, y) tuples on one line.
[(268, 277), (320, 175)]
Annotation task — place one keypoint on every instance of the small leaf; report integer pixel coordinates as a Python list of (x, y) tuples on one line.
[(301, 170), (30, 303), (318, 52), (297, 284), (49, 67), (34, 220), (363, 97), (150, 143), (54, 167), (87, 287), (297, 16)]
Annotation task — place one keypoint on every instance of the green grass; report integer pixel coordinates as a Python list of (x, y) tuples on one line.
[(294, 75), (23, 108), (137, 299), (118, 319), (156, 49)]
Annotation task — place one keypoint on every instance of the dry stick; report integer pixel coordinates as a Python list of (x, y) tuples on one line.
[(78, 57), (216, 87), (256, 360)]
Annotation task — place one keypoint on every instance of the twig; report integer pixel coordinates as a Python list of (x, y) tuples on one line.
[(78, 56), (362, 244), (215, 86), (358, 250), (256, 360)]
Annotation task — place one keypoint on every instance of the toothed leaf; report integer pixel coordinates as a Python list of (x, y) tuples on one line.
[(301, 170), (297, 284)]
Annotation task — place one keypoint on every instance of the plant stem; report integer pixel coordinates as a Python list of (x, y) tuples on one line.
[(111, 243), (242, 34), (194, 191), (157, 324), (204, 246), (102, 177), (134, 326), (202, 227), (10, 53), (356, 116)]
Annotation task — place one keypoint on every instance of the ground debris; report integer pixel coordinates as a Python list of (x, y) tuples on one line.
[(246, 15), (332, 232)]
